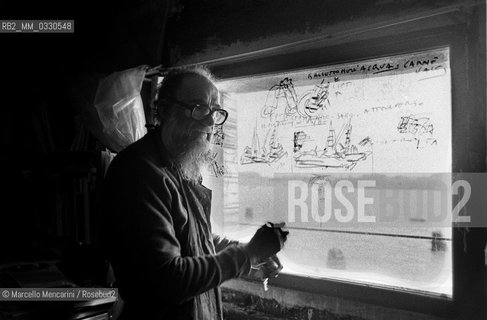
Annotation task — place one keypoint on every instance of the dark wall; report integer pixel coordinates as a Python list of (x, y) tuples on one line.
[(45, 181), (231, 26)]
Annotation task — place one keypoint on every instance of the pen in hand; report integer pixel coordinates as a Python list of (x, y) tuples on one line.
[(259, 274), (268, 267)]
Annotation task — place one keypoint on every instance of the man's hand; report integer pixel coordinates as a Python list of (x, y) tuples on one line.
[(270, 268), (267, 241)]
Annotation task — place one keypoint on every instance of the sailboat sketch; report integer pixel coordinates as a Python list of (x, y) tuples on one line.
[(336, 154), (270, 151)]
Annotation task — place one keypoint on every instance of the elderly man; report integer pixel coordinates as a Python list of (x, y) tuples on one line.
[(167, 262)]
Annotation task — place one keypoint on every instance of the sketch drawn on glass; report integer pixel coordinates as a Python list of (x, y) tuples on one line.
[(420, 128), (218, 135), (299, 138), (315, 99), (270, 151), (306, 105), (215, 167), (281, 93), (337, 153)]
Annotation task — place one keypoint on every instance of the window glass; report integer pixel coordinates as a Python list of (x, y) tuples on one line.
[(355, 158)]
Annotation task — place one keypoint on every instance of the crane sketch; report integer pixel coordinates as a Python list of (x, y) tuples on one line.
[(307, 105), (316, 99), (279, 94)]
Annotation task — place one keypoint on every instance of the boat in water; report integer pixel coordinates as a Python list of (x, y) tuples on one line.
[(271, 151), (335, 154)]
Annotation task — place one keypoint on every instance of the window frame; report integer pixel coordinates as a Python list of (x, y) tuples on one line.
[(455, 28)]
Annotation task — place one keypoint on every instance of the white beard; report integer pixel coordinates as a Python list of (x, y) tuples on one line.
[(191, 166), (195, 159), (195, 156)]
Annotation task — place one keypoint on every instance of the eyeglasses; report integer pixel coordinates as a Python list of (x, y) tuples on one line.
[(202, 111)]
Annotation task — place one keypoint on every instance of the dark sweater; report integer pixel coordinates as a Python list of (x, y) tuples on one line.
[(157, 234)]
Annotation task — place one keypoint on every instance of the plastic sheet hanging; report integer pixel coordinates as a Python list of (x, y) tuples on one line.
[(120, 108)]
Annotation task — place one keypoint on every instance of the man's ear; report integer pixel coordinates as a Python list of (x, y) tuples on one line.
[(163, 110)]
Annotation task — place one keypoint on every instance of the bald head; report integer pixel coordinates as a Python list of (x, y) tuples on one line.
[(175, 80)]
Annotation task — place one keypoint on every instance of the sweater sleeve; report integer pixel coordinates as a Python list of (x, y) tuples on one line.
[(147, 252), (221, 243)]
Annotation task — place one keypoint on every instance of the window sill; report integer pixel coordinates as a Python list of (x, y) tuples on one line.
[(342, 297)]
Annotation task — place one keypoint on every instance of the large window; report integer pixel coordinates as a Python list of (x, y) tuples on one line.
[(355, 157)]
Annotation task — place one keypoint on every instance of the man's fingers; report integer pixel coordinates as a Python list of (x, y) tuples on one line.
[(279, 225), (274, 266), (284, 235), (277, 261)]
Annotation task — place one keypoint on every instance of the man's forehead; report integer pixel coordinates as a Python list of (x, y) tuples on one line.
[(197, 87)]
